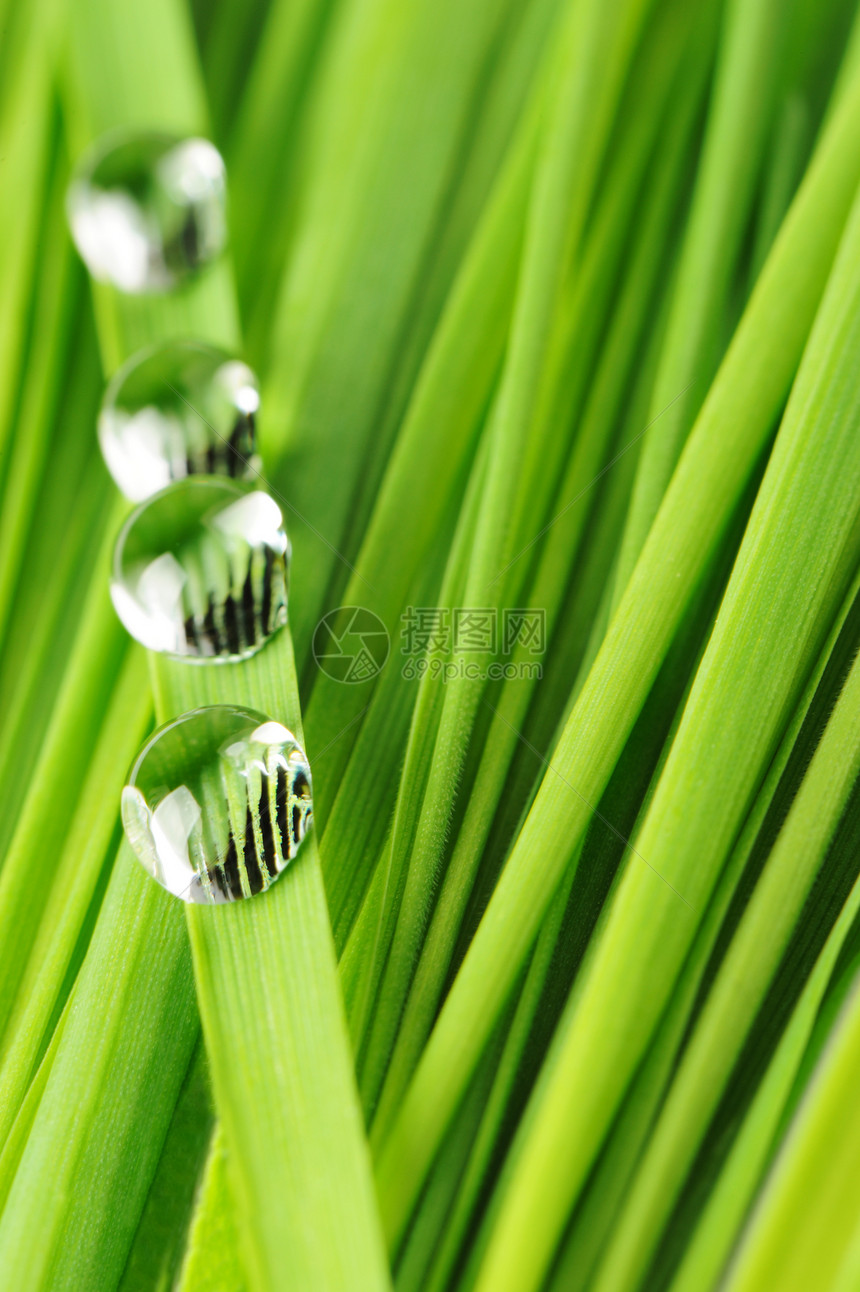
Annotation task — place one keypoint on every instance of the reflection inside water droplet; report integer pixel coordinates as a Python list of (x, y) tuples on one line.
[(175, 410), (201, 569), (218, 803), (147, 210)]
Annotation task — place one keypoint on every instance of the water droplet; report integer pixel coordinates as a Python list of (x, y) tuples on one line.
[(200, 569), (178, 410), (218, 803), (147, 210)]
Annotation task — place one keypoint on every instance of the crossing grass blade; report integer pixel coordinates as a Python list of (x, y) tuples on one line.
[(588, 460), (805, 1225), (728, 1014), (607, 1189), (683, 859), (737, 125), (571, 150), (731, 431), (716, 1231)]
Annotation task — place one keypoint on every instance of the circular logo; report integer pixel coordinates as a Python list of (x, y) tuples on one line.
[(351, 644)]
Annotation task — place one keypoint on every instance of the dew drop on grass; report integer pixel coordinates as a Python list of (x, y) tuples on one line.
[(147, 210), (176, 410), (201, 569), (218, 803)]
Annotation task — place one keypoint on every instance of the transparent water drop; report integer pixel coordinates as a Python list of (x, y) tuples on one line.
[(147, 209), (176, 410), (201, 569), (217, 804)]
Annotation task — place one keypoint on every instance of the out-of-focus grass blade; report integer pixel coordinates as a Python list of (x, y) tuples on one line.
[(124, 1050), (27, 125), (730, 433), (607, 1189), (737, 129), (805, 1225), (58, 286), (355, 262), (211, 1262), (261, 156), (154, 1259), (793, 567), (578, 121), (730, 1197), (737, 993), (46, 937), (548, 583)]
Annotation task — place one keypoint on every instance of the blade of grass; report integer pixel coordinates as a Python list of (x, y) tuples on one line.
[(211, 1262), (264, 141), (737, 126), (556, 559), (27, 125), (47, 608), (290, 1043), (46, 937), (452, 393), (737, 993), (571, 151), (52, 794), (805, 1223), (125, 1047), (632, 973), (57, 287), (362, 238), (730, 432), (154, 1259), (730, 1198), (607, 1189)]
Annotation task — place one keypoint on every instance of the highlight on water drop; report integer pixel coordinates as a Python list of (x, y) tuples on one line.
[(201, 569), (217, 804), (179, 409), (147, 210)]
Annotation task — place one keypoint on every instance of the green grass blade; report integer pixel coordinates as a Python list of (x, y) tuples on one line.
[(587, 461), (212, 1262), (277, 951), (727, 1204), (633, 969), (32, 980), (353, 270), (737, 125), (737, 993), (154, 1258), (113, 1084), (730, 433), (806, 1221), (571, 151)]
